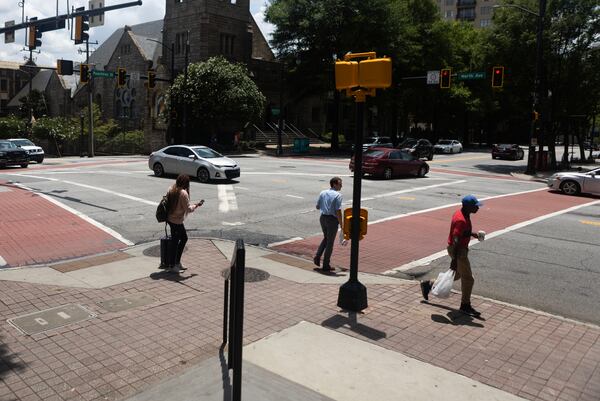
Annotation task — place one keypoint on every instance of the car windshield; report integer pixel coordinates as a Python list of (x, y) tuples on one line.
[(407, 143), (7, 145), (504, 146), (207, 153), (444, 142), (22, 142), (373, 153), (370, 139)]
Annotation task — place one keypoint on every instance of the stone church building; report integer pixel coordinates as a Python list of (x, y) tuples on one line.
[(211, 27)]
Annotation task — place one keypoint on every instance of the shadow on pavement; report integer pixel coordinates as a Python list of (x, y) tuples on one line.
[(454, 317), (337, 321), (164, 275), (7, 362), (501, 168), (225, 374)]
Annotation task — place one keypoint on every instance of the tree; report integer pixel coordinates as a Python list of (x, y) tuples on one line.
[(36, 101), (216, 94)]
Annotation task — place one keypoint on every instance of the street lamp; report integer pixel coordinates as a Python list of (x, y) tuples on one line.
[(537, 82)]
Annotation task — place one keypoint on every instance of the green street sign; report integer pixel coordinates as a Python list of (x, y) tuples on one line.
[(275, 111), (466, 76), (102, 74)]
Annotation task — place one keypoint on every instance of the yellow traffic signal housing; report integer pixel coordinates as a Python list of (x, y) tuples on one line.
[(535, 116), (84, 73), (34, 37), (446, 78), (375, 73), (121, 77), (64, 67), (81, 27), (346, 74), (151, 79), (364, 220)]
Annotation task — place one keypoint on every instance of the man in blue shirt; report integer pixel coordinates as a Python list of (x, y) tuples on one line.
[(330, 205)]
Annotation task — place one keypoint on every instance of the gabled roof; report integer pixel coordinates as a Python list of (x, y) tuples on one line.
[(39, 83)]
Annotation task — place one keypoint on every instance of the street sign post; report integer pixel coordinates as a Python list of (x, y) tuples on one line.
[(467, 76), (9, 36), (102, 74)]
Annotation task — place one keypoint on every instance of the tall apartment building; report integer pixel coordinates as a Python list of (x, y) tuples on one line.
[(479, 12)]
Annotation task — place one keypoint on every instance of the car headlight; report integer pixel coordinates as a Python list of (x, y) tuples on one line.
[(2, 153)]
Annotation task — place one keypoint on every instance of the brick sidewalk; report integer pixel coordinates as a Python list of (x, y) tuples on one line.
[(41, 231), (393, 243), (118, 354)]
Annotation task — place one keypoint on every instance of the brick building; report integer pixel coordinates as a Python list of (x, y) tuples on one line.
[(12, 80), (479, 12)]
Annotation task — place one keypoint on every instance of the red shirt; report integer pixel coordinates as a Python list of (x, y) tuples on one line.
[(459, 225)]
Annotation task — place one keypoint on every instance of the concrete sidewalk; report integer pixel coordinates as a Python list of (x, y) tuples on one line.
[(146, 334)]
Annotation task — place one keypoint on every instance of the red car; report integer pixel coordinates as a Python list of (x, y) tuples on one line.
[(388, 163), (507, 151)]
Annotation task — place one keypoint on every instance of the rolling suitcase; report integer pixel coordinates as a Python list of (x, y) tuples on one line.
[(167, 251)]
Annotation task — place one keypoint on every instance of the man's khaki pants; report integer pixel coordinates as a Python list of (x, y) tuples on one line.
[(463, 272)]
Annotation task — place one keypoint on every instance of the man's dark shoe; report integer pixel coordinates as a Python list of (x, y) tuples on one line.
[(317, 261), (425, 288), (468, 309)]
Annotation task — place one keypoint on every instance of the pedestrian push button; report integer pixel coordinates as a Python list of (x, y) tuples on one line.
[(364, 220)]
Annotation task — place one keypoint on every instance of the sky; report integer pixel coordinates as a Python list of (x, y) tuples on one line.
[(57, 44)]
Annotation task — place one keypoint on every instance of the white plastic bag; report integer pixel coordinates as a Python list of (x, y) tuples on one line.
[(443, 284)]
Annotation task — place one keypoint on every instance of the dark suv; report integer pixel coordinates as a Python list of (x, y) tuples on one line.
[(420, 148)]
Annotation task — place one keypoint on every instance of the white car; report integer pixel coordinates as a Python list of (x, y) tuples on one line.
[(197, 161), (448, 146), (35, 152), (573, 183)]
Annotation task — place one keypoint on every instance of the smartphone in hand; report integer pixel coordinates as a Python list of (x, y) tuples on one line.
[(200, 203)]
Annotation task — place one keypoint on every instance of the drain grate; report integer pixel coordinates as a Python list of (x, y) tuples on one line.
[(252, 275), (49, 319), (128, 302)]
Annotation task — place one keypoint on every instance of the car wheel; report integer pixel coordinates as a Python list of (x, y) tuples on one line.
[(387, 173), (522, 155), (203, 175), (570, 188), (158, 169), (40, 160), (430, 157), (25, 165), (422, 171)]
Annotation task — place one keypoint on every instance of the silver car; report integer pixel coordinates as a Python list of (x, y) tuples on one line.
[(448, 146), (197, 161), (573, 183)]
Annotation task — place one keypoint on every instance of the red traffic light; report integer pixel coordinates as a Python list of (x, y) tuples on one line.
[(445, 79), (497, 77)]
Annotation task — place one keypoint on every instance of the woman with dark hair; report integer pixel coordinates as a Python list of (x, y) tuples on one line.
[(179, 207)]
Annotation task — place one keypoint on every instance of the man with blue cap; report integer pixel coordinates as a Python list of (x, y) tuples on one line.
[(460, 235)]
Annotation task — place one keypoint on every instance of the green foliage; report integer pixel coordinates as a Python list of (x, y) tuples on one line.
[(11, 127), (327, 137), (129, 142), (58, 129), (215, 92), (36, 102)]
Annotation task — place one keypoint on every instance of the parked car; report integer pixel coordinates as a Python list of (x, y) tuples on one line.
[(448, 146), (574, 183), (507, 151), (390, 162), (420, 148), (36, 153), (377, 142), (12, 155), (197, 161)]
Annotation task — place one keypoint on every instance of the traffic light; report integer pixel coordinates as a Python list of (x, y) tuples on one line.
[(121, 77), (446, 78), (64, 67), (151, 79), (84, 73), (81, 27), (35, 36), (535, 116), (497, 77)]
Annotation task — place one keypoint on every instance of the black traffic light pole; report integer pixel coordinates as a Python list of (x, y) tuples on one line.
[(90, 101)]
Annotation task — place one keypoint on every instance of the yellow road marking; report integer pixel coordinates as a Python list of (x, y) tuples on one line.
[(591, 223), (279, 180), (407, 198), (459, 159)]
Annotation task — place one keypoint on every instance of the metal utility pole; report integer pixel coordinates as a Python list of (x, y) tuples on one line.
[(280, 123), (90, 102), (29, 122)]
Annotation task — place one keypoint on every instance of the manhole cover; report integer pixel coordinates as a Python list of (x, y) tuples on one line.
[(154, 251), (252, 275), (128, 302), (49, 319)]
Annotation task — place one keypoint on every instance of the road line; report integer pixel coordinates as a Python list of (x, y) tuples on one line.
[(226, 198), (287, 241), (2, 262), (134, 198), (294, 196), (237, 223), (591, 223), (297, 174), (93, 222), (458, 159), (428, 259), (413, 189), (244, 188)]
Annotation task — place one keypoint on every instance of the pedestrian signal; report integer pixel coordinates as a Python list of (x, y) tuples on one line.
[(446, 78), (84, 73), (497, 77), (535, 116), (34, 38), (151, 79), (364, 219), (64, 67), (121, 77)]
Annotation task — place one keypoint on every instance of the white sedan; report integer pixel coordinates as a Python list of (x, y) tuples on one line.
[(197, 161), (573, 183), (448, 146)]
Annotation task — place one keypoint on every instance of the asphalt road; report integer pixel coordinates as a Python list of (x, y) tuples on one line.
[(551, 265)]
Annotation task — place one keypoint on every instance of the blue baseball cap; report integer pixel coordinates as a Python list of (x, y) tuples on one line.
[(471, 200)]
